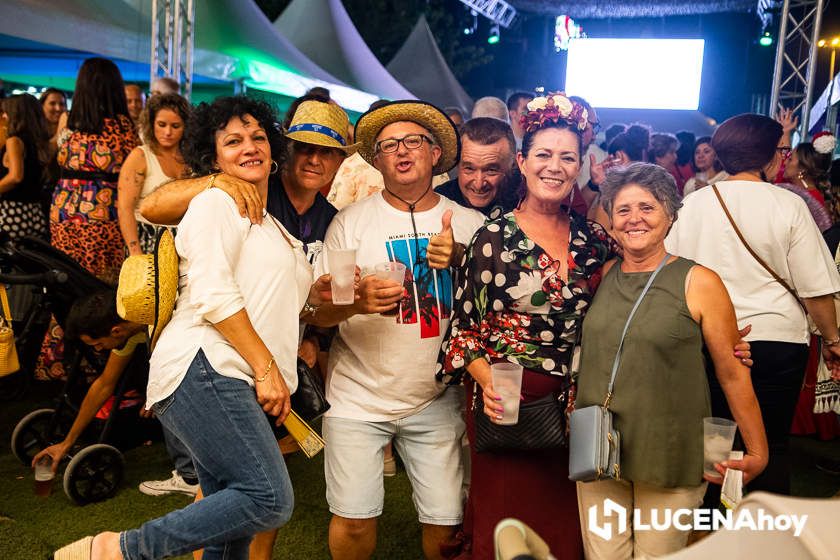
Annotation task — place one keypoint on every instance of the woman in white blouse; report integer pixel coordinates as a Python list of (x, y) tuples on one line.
[(227, 357), (779, 228)]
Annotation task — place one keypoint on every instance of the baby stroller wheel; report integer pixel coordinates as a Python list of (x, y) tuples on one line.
[(94, 474), (35, 432)]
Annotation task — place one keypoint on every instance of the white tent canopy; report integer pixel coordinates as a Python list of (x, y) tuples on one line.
[(233, 41), (420, 66), (323, 31)]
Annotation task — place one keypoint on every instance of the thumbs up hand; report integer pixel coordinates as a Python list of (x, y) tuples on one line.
[(442, 249)]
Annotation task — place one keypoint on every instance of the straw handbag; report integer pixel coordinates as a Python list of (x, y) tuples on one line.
[(8, 353)]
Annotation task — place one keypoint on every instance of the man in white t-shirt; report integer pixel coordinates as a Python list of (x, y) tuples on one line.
[(382, 362)]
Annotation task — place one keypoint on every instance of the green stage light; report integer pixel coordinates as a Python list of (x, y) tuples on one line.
[(493, 38), (766, 40)]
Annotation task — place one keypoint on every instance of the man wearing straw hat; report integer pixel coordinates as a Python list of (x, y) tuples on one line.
[(319, 145), (381, 370)]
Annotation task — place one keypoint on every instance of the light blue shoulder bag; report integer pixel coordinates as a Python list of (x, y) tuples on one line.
[(594, 445)]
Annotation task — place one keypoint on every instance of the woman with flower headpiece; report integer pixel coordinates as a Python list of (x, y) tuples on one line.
[(528, 281), (806, 174)]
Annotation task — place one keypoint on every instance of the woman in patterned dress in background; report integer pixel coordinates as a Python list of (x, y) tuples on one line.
[(94, 139)]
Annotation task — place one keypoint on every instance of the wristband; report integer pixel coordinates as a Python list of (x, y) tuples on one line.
[(832, 342), (266, 372), (592, 186)]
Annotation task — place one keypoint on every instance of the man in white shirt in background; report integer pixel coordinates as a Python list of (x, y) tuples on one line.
[(587, 183), (381, 370)]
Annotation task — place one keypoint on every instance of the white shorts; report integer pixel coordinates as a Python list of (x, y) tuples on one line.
[(429, 443)]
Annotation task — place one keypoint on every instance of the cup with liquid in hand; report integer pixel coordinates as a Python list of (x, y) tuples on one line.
[(507, 382), (43, 477), (718, 436), (342, 265), (393, 271)]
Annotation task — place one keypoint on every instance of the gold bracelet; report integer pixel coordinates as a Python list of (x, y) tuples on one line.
[(266, 372), (212, 182)]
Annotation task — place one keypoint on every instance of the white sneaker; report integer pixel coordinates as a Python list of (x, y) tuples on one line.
[(173, 485)]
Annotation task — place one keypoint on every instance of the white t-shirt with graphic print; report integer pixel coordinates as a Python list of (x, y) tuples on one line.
[(382, 368)]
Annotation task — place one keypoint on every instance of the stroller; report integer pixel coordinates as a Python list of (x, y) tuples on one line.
[(95, 470)]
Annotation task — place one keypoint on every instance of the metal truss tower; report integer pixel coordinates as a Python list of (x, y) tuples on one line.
[(497, 11), (172, 42), (796, 55)]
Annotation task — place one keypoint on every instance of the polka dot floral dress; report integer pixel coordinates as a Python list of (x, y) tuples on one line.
[(512, 304)]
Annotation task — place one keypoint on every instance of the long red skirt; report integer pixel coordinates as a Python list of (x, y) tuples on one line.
[(533, 487)]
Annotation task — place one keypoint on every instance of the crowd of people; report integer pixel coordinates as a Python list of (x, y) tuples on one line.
[(524, 240)]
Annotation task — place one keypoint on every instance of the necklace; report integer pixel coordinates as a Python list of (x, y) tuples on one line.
[(411, 207)]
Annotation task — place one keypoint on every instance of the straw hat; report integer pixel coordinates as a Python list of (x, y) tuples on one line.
[(322, 124), (148, 286), (425, 114)]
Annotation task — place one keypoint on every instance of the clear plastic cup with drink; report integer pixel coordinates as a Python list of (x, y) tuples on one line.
[(507, 382), (43, 477), (718, 436), (342, 267), (393, 271)]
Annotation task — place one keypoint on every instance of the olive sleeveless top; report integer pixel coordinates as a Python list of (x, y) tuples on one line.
[(661, 392)]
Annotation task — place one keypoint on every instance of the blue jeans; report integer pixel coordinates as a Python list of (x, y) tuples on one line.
[(241, 471), (180, 456)]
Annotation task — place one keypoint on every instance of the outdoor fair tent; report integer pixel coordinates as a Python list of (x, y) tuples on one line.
[(335, 45), (420, 66), (234, 42)]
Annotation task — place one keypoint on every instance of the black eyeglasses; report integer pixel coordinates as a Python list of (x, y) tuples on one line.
[(411, 142), (596, 126)]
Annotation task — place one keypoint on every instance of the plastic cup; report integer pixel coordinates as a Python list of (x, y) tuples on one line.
[(718, 436), (342, 265), (43, 477), (507, 382), (395, 272)]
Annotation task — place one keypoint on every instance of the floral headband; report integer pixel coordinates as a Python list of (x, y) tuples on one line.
[(554, 108), (824, 142)]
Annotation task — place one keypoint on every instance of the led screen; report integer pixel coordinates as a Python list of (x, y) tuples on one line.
[(636, 73)]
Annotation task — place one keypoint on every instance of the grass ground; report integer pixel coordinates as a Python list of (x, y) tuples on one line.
[(32, 528)]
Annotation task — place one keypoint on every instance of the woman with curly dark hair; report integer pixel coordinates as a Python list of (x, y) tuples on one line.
[(147, 167), (228, 354)]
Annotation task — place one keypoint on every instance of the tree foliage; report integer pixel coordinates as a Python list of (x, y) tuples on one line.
[(385, 25)]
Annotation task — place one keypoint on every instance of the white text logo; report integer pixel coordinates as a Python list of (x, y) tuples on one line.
[(685, 519)]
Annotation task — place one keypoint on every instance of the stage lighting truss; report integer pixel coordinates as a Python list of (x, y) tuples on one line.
[(796, 54), (172, 42), (497, 11)]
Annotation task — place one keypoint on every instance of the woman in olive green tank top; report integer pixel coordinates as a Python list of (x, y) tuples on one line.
[(661, 394)]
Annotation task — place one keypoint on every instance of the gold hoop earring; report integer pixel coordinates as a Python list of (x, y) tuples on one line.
[(275, 167)]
